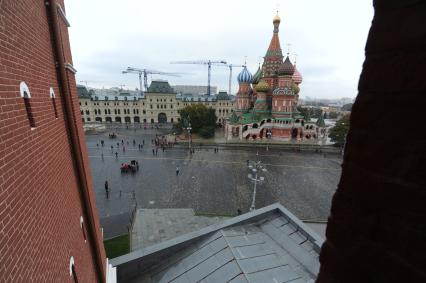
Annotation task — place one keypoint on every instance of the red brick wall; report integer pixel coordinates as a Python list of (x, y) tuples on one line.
[(40, 201)]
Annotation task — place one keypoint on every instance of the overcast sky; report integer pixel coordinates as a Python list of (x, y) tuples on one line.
[(328, 36)]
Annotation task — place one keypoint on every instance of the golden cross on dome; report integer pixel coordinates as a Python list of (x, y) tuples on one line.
[(295, 58), (260, 60), (288, 48), (245, 61)]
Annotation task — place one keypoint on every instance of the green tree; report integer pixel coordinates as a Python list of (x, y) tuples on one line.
[(339, 131), (306, 113), (347, 107), (200, 117), (333, 115)]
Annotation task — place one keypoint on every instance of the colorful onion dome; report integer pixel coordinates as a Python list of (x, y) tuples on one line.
[(262, 86), (286, 68), (276, 19), (257, 76), (245, 76), (297, 77)]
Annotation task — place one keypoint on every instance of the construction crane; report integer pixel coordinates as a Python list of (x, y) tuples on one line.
[(144, 73), (209, 64), (230, 66)]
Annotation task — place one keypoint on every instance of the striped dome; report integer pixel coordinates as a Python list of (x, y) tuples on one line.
[(297, 77), (244, 76), (286, 68)]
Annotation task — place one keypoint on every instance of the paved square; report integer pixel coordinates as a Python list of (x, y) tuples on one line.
[(208, 182)]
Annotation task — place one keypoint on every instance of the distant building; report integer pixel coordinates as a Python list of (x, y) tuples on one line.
[(160, 104), (194, 89), (49, 226)]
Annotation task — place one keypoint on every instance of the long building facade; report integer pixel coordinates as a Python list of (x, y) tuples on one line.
[(159, 104), (49, 227)]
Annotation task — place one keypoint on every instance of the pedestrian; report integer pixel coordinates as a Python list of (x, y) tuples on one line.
[(127, 142), (156, 151), (97, 145), (153, 151), (177, 170), (116, 154), (139, 146), (112, 148), (118, 144), (143, 142), (107, 189), (134, 142), (102, 143), (122, 141), (239, 211), (102, 156), (120, 193), (248, 162)]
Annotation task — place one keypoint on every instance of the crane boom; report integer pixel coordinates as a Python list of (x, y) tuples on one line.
[(230, 66), (144, 73), (209, 64)]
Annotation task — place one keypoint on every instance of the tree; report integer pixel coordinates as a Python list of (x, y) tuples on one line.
[(339, 131), (333, 115), (347, 107), (306, 113), (200, 117)]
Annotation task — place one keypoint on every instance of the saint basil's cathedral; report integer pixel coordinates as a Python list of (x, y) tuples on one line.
[(266, 101)]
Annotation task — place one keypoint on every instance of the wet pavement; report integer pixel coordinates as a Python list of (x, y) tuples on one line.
[(208, 182)]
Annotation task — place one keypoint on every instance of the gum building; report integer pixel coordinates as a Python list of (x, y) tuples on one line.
[(159, 104)]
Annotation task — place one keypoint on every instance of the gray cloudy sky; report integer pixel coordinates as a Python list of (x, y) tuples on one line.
[(328, 36)]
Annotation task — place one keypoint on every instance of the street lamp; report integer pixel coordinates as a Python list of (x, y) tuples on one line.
[(190, 137), (255, 167)]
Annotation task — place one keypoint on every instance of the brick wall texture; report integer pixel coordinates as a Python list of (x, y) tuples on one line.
[(40, 196), (377, 232)]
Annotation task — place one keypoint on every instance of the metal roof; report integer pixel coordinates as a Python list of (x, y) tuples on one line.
[(267, 245)]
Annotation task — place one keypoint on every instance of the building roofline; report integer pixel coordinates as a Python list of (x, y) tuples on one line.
[(132, 261)]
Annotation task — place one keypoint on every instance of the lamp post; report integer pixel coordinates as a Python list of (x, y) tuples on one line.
[(256, 168), (190, 137)]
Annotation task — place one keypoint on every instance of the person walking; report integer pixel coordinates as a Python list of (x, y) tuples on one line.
[(156, 151), (116, 155), (153, 151), (107, 189), (177, 170), (143, 142), (112, 148)]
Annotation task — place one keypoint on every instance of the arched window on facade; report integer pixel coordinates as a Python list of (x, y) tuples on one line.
[(26, 95)]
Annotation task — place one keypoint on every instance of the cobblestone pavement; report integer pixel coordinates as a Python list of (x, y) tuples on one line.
[(209, 182)]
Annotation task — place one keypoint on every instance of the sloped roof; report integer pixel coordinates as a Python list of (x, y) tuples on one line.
[(160, 87), (261, 246)]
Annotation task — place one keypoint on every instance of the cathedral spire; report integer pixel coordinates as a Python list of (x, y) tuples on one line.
[(274, 55)]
